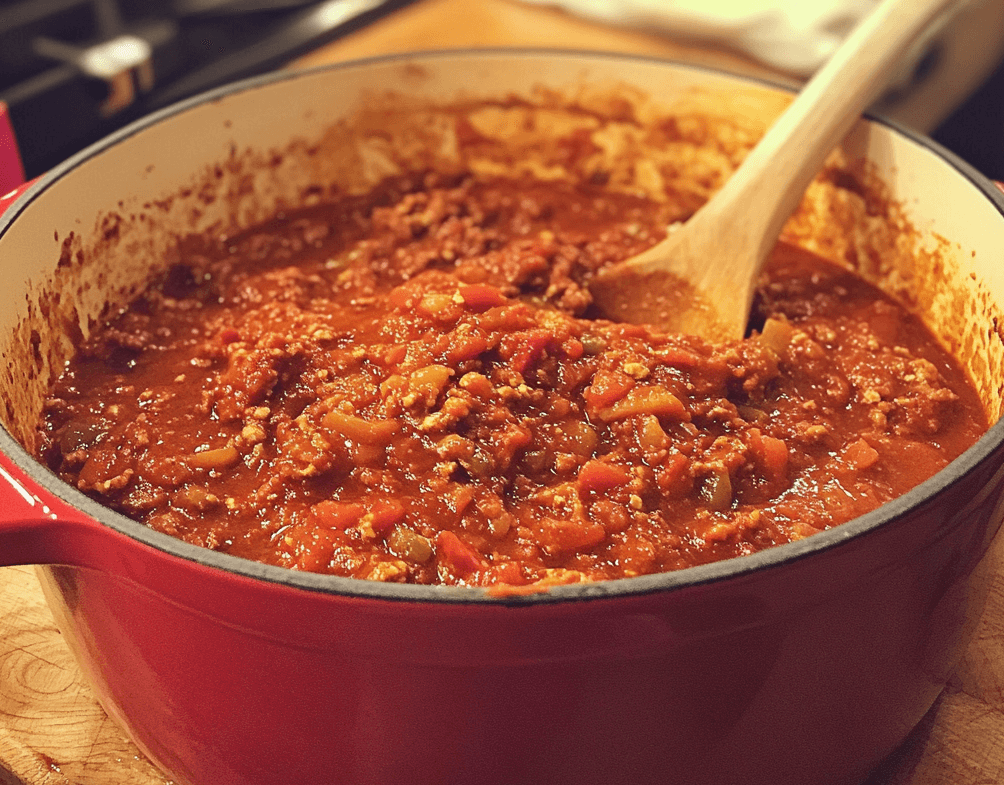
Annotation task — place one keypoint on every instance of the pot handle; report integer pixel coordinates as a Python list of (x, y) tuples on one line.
[(35, 527), (11, 168), (7, 199), (38, 528)]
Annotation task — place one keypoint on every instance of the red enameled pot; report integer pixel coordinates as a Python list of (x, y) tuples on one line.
[(807, 663)]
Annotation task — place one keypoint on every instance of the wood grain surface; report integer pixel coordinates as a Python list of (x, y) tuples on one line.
[(52, 730)]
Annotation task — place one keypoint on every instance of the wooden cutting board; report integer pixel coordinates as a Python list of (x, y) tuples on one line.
[(53, 732)]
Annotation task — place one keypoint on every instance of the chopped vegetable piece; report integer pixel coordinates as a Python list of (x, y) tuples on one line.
[(558, 536), (459, 557), (357, 429), (861, 455), (777, 334), (607, 388), (220, 458), (481, 297), (599, 476), (337, 515), (645, 399)]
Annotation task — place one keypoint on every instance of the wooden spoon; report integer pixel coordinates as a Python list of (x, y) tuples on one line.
[(701, 278)]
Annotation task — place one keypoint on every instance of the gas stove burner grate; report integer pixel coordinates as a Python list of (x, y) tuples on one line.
[(72, 71)]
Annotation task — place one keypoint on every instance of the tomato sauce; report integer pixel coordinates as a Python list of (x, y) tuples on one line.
[(410, 386)]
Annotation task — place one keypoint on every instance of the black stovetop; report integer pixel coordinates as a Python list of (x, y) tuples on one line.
[(975, 131), (71, 71)]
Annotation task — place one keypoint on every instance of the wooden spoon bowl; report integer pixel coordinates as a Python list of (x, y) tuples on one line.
[(701, 278)]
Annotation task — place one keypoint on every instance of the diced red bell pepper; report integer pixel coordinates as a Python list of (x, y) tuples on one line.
[(600, 476), (311, 549), (572, 348), (480, 297), (336, 515), (606, 388), (466, 347), (679, 358), (459, 498), (528, 348), (671, 471), (771, 453), (395, 354), (775, 453), (557, 535), (460, 558), (387, 513), (401, 297)]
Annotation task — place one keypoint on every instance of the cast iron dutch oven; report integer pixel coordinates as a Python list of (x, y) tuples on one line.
[(807, 663)]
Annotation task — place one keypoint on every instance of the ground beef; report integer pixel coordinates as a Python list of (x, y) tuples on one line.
[(409, 386)]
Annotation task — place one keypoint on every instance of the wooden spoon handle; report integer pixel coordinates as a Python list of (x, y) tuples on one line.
[(764, 191), (720, 251)]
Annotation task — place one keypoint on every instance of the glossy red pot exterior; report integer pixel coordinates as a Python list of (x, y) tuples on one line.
[(805, 664), (11, 170)]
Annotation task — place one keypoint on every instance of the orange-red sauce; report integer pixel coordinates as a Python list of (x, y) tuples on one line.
[(408, 387)]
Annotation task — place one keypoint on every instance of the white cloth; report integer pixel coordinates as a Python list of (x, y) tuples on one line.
[(796, 36)]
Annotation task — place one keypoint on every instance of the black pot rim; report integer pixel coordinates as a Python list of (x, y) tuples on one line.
[(717, 572)]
